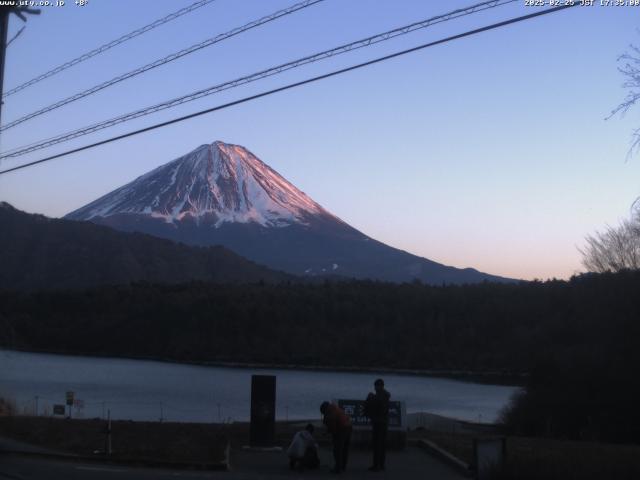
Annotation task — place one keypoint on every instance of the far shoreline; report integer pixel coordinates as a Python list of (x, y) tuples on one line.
[(501, 378)]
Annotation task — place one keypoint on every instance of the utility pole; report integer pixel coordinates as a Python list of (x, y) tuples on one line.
[(4, 27), (5, 11)]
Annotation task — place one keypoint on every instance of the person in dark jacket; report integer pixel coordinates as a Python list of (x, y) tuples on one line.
[(376, 407), (339, 425)]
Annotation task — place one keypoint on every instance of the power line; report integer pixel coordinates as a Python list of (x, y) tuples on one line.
[(109, 45), (20, 11), (16, 35), (366, 42), (169, 58), (296, 84)]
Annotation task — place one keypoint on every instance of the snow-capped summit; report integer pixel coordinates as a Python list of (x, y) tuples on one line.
[(215, 183), (222, 194)]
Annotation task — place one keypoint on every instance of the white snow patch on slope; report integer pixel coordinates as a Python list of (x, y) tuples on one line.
[(222, 181)]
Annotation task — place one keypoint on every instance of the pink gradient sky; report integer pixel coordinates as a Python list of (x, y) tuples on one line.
[(490, 152)]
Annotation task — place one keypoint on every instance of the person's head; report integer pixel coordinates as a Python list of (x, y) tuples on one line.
[(324, 407), (309, 428), (378, 385)]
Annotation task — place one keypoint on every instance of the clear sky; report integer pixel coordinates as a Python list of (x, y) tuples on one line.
[(491, 151)]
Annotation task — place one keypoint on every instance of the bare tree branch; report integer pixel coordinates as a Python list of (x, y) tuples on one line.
[(630, 69), (614, 249)]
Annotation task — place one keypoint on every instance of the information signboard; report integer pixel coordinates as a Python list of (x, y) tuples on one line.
[(355, 410)]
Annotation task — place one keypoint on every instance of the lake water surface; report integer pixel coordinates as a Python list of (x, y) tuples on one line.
[(148, 390)]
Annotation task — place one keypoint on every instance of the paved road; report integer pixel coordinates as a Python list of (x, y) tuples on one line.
[(245, 465), (409, 464), (17, 467)]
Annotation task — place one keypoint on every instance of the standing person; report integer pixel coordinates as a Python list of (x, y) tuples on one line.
[(376, 407), (339, 425), (303, 451)]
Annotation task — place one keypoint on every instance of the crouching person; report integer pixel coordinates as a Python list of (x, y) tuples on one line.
[(303, 451)]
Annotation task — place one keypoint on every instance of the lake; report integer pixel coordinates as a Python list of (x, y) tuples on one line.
[(149, 390)]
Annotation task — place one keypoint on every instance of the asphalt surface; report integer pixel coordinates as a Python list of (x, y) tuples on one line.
[(245, 465), (20, 467), (412, 463)]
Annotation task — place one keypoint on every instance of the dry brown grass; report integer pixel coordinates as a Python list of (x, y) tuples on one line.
[(169, 442), (536, 458), (548, 459), (7, 407)]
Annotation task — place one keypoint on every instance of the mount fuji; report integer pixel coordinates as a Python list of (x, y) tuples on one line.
[(222, 194)]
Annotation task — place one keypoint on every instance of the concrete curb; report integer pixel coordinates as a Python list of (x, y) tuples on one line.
[(451, 460), (221, 466)]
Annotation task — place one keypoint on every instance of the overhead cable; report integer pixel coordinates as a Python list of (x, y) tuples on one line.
[(109, 45), (366, 42), (162, 61), (293, 85)]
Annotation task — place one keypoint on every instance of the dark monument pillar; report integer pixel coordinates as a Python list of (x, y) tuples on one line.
[(263, 410)]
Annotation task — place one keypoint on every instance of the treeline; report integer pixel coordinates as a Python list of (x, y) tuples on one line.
[(578, 338), (475, 327)]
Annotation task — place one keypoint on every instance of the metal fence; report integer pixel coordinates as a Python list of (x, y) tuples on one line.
[(160, 411)]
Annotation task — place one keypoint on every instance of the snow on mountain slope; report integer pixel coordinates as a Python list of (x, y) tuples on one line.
[(221, 194), (218, 182)]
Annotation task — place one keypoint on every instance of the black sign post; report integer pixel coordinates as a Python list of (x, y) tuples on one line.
[(263, 410)]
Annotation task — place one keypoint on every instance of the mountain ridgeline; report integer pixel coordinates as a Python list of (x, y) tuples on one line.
[(40, 253), (222, 194)]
